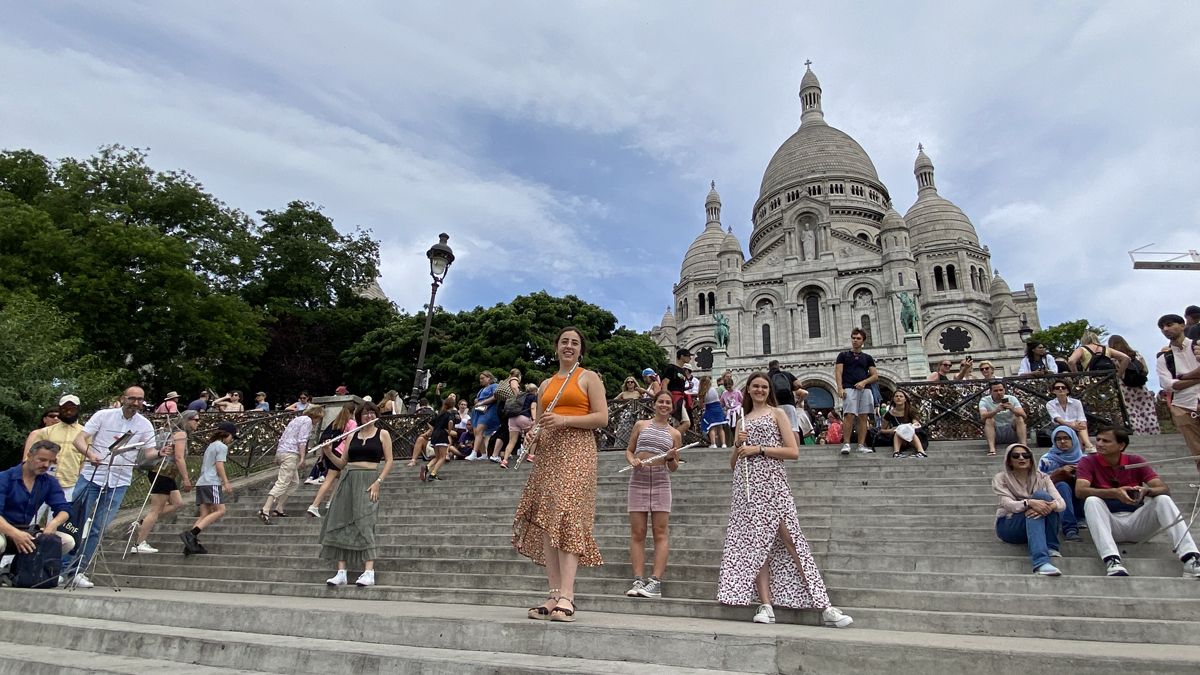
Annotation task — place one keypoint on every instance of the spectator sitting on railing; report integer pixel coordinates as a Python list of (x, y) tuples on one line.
[(902, 426), (630, 391), (653, 385), (1129, 504), (300, 404), (942, 372), (986, 370), (200, 404), (231, 402), (1029, 509), (1060, 464), (260, 402), (1037, 362), (1067, 411), (1002, 415)]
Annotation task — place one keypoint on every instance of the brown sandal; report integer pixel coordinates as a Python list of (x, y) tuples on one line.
[(542, 612), (562, 613)]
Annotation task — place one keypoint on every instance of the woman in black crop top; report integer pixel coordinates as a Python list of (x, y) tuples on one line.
[(348, 529)]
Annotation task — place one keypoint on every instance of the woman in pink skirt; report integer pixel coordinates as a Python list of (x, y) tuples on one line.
[(650, 492), (766, 558)]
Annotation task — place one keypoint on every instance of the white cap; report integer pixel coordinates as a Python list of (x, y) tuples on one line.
[(68, 398)]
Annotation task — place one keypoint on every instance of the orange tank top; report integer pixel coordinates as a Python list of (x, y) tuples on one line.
[(573, 402)]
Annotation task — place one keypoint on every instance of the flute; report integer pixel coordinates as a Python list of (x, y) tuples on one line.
[(335, 439), (655, 458), (738, 422)]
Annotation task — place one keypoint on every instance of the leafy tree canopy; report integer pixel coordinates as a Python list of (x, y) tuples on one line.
[(1062, 339)]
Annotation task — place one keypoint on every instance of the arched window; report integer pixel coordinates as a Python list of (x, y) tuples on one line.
[(863, 236), (939, 282), (700, 303), (766, 331), (813, 309), (712, 302), (974, 279), (900, 278), (865, 323), (729, 297), (951, 278), (685, 308)]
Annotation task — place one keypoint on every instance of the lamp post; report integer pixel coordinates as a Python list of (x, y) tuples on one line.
[(440, 256), (1024, 331)]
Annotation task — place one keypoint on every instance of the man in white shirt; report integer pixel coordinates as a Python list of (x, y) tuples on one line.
[(102, 481), (1179, 373)]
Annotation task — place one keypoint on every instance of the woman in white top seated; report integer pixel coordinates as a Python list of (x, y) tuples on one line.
[(1066, 411), (1037, 361)]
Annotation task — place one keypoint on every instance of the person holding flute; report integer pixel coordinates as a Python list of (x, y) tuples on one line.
[(650, 492), (766, 557)]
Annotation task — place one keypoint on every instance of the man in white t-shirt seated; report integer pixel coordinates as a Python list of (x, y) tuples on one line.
[(1003, 410)]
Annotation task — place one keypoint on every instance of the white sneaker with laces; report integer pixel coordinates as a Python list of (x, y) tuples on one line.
[(1048, 570), (313, 511), (367, 578), (1191, 568), (310, 481), (865, 450), (633, 591), (494, 459), (472, 457), (1114, 568), (834, 618), (81, 581), (765, 614), (846, 449), (143, 548), (338, 579), (320, 481)]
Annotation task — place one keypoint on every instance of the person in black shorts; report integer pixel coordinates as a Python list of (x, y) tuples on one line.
[(165, 495), (677, 376), (440, 437), (212, 486)]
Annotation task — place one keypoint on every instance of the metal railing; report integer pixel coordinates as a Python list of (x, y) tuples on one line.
[(950, 410)]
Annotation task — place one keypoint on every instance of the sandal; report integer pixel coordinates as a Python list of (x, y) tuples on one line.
[(562, 613), (504, 464), (542, 612), (278, 514), (262, 515), (896, 454), (991, 453), (921, 455)]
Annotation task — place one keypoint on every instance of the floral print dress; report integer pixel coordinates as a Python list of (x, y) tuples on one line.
[(754, 532)]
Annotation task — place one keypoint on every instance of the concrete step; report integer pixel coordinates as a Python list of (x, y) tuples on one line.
[(38, 658)]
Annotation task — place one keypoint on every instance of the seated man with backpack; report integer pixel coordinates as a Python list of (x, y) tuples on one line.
[(23, 490)]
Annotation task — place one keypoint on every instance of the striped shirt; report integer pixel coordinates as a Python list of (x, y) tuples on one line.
[(655, 439)]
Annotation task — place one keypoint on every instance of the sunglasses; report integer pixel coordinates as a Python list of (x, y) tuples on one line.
[(1059, 388), (1020, 455)]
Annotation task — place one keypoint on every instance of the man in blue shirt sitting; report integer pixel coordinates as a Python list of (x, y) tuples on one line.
[(23, 490)]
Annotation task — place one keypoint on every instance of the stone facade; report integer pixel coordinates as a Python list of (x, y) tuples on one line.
[(828, 252)]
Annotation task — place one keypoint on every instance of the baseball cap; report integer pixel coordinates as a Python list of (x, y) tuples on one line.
[(647, 372), (1191, 310), (229, 427), (341, 390), (68, 398), (262, 394)]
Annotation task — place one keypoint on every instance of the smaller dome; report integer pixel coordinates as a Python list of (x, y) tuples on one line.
[(701, 257), (668, 318), (892, 221), (923, 161), (731, 244), (809, 79), (999, 287), (713, 197)]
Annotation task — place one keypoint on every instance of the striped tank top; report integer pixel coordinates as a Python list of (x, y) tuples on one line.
[(655, 438)]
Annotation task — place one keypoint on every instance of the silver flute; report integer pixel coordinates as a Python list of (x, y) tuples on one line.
[(655, 458)]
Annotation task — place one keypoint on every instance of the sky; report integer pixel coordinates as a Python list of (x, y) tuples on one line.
[(569, 146)]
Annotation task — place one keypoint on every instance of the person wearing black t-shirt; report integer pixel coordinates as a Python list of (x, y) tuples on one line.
[(440, 437), (677, 378), (854, 374)]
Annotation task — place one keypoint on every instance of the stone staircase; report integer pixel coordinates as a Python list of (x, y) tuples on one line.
[(906, 546)]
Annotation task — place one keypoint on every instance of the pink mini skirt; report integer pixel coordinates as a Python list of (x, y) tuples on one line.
[(650, 490)]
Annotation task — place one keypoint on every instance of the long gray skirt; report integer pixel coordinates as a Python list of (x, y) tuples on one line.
[(348, 529)]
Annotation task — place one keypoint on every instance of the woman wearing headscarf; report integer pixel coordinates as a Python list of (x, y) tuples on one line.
[(1029, 508), (1060, 464)]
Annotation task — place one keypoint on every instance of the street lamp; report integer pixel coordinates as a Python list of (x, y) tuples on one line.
[(1024, 331), (440, 256)]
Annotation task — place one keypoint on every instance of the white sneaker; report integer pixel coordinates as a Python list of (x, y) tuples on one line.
[(494, 459), (1054, 553), (367, 578), (846, 449), (472, 457), (310, 481), (313, 511), (834, 618), (865, 450), (1191, 568), (320, 481), (1048, 570), (143, 548), (712, 445), (338, 579), (1114, 568), (765, 614), (81, 581)]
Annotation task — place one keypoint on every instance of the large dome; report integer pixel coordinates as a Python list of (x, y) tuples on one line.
[(816, 149)]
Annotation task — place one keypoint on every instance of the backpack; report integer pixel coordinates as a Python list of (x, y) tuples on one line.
[(514, 405), (781, 384), (1135, 375), (1100, 361), (39, 569)]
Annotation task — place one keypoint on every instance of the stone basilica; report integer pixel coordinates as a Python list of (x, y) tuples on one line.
[(828, 252)]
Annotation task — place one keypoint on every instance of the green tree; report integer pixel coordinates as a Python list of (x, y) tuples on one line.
[(42, 356), (1062, 339)]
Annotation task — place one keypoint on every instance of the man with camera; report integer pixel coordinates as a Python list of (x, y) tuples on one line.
[(1126, 501), (23, 490), (1001, 409)]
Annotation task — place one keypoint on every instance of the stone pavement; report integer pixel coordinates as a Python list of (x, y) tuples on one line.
[(906, 547)]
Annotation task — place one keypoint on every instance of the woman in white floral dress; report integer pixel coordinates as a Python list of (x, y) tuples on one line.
[(766, 558)]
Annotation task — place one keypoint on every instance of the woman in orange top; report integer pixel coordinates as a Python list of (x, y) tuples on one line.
[(553, 524)]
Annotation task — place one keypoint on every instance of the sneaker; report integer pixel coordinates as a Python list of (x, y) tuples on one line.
[(338, 579), (310, 481), (1082, 524), (765, 614), (833, 617), (846, 449), (1191, 568), (1114, 568), (190, 544), (712, 445), (81, 581), (865, 450), (365, 579), (1055, 553), (472, 457), (652, 589), (313, 511), (434, 476), (143, 548), (1072, 535), (200, 547), (635, 590), (320, 481), (494, 459), (1048, 570)]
